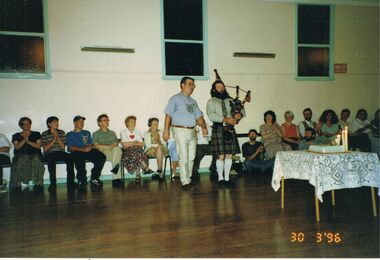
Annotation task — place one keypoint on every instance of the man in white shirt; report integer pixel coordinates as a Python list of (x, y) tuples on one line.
[(4, 159), (361, 130), (307, 114), (203, 148)]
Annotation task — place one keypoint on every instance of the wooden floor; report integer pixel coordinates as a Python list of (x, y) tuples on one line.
[(160, 220)]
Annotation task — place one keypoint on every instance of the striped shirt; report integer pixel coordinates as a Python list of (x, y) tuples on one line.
[(47, 137)]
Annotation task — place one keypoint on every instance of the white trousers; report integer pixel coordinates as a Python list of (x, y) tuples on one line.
[(186, 142)]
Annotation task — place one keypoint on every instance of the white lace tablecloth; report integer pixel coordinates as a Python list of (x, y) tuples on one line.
[(328, 171)]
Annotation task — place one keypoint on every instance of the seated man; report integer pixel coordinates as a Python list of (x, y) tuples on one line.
[(53, 143), (4, 159), (308, 139), (360, 135), (308, 122), (80, 145), (203, 148), (253, 153), (106, 141)]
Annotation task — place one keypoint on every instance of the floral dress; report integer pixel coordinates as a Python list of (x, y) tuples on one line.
[(133, 157)]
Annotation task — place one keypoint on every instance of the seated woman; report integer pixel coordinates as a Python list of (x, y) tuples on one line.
[(155, 146), (27, 163), (290, 132), (327, 127), (134, 159), (271, 135)]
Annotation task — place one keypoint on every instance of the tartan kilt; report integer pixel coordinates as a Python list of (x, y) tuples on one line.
[(218, 142)]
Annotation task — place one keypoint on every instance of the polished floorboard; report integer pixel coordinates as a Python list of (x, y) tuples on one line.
[(153, 219)]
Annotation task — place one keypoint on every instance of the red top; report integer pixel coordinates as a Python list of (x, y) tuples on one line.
[(290, 130)]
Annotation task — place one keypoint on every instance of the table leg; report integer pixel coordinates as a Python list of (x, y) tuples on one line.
[(316, 207), (333, 197), (282, 192), (374, 210)]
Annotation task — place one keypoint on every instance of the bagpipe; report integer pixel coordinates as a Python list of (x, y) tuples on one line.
[(236, 105)]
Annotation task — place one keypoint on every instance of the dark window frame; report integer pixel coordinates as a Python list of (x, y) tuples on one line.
[(203, 42)]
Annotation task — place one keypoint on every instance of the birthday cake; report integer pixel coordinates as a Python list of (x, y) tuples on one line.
[(326, 148)]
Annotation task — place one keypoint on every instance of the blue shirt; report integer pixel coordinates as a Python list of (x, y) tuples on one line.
[(183, 110), (78, 139)]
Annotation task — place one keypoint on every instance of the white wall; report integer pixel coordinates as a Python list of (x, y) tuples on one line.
[(90, 83)]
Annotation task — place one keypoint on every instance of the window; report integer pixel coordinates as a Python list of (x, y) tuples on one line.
[(183, 39), (23, 39), (314, 38)]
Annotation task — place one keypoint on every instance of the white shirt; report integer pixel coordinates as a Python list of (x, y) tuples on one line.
[(301, 126), (203, 139), (127, 136), (357, 124), (4, 143)]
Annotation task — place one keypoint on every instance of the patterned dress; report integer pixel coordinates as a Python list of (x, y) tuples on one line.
[(27, 163), (133, 157), (273, 143)]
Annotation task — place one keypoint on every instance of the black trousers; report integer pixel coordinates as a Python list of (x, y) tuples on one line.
[(201, 151), (94, 156), (52, 158), (3, 161)]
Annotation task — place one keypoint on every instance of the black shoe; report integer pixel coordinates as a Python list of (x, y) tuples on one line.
[(95, 183), (186, 187), (82, 184), (115, 169), (230, 184), (38, 188), (117, 183), (221, 183), (52, 188), (155, 176), (147, 171)]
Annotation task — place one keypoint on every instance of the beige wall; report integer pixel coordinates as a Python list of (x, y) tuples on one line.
[(89, 83)]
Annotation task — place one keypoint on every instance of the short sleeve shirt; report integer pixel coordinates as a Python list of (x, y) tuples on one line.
[(79, 139), (104, 137), (47, 137), (249, 149), (4, 142), (183, 110), (26, 148)]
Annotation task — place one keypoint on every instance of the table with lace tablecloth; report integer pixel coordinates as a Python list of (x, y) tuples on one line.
[(327, 172)]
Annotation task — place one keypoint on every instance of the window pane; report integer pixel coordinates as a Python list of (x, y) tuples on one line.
[(183, 19), (313, 62), (21, 54), (313, 24), (184, 59), (21, 16)]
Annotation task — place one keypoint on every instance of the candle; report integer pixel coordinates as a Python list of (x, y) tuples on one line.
[(346, 138)]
